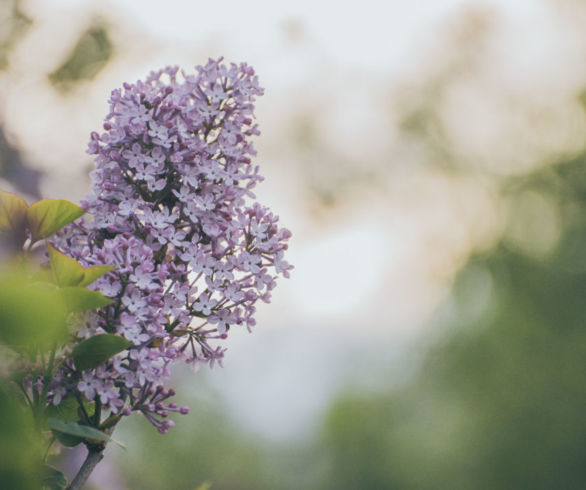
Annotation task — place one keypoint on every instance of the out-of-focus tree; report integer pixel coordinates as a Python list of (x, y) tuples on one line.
[(87, 57), (499, 402), (209, 449), (13, 25), (90, 54)]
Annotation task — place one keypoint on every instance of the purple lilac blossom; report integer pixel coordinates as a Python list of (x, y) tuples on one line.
[(172, 208)]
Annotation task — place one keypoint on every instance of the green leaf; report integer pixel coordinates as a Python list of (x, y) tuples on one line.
[(31, 314), (76, 429), (92, 352), (50, 215), (53, 478), (90, 274), (12, 211), (81, 299), (68, 409), (43, 274), (66, 270), (67, 439)]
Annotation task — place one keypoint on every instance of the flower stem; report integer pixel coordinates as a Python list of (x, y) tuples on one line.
[(94, 456)]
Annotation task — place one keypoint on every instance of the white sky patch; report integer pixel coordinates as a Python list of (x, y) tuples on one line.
[(336, 274), (375, 35)]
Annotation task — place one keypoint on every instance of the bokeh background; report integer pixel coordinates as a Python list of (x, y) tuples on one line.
[(430, 159)]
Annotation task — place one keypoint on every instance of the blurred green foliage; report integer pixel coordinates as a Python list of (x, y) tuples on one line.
[(207, 448), (87, 58), (32, 315), (31, 319), (499, 400), (13, 25), (499, 403), (20, 445)]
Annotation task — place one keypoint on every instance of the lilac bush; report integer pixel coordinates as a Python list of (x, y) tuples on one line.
[(172, 209)]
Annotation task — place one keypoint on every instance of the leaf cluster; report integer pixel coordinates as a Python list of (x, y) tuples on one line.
[(37, 306)]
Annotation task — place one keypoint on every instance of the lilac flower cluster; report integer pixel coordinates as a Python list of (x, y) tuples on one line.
[(172, 209)]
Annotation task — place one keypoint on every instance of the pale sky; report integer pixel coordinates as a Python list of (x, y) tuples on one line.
[(372, 35)]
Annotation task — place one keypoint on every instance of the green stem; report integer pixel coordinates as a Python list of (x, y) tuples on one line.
[(48, 374), (86, 417), (110, 422), (53, 439), (36, 408), (27, 398), (97, 411)]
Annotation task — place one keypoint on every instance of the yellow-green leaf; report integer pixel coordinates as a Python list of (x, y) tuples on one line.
[(81, 299), (50, 215), (12, 211), (44, 274), (31, 314), (90, 274), (66, 271)]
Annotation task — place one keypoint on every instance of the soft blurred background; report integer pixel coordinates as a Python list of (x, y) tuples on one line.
[(430, 159)]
